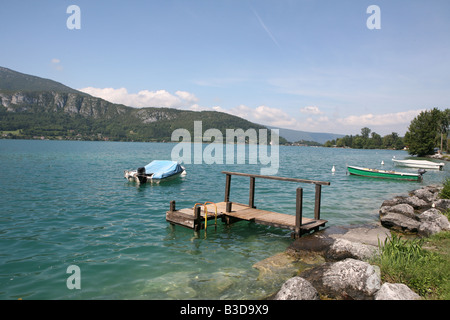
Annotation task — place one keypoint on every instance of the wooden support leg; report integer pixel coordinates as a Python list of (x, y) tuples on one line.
[(227, 188), (298, 212), (317, 202), (197, 219), (251, 197)]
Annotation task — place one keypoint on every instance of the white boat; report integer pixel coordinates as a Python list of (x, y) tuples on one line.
[(155, 171), (423, 164)]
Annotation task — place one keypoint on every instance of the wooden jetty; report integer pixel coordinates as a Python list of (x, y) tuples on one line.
[(204, 214)]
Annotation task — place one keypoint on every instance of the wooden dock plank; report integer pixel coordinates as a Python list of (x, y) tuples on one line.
[(243, 212)]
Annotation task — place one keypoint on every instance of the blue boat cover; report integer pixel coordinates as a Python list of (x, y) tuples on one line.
[(163, 168)]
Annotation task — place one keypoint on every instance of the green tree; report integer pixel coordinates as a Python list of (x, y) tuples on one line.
[(421, 135), (365, 132), (444, 126), (376, 141)]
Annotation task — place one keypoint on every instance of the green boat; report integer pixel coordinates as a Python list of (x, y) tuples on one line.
[(385, 174)]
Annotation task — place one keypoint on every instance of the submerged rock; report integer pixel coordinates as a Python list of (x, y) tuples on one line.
[(172, 285), (281, 263)]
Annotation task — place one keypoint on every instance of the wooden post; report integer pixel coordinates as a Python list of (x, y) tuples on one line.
[(227, 188), (172, 206), (251, 198), (317, 202), (298, 212), (228, 206), (197, 219)]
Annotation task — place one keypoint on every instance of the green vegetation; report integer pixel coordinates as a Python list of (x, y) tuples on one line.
[(445, 192), (421, 264), (12, 81), (306, 143), (127, 125), (368, 140), (427, 131)]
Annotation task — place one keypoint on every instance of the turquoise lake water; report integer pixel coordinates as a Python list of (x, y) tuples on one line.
[(66, 203)]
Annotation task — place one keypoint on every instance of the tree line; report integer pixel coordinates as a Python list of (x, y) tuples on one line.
[(368, 139), (427, 131)]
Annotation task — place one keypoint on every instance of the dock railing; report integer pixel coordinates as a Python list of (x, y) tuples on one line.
[(299, 194)]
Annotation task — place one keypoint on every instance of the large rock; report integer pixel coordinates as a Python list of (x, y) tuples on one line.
[(403, 208), (396, 291), (399, 222), (297, 288), (342, 249), (418, 213), (347, 279), (443, 204), (431, 222), (427, 194), (417, 203)]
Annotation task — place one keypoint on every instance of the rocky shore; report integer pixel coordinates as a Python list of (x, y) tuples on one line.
[(337, 258)]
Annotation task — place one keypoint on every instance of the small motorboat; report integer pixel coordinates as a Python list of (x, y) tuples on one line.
[(375, 173), (155, 171), (423, 164)]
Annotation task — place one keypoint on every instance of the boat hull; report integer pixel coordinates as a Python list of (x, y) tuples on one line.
[(133, 176), (423, 164), (383, 174)]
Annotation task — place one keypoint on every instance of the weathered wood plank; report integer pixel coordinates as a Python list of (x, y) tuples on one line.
[(228, 173), (186, 217)]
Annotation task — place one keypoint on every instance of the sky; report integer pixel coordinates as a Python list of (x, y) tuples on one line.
[(331, 66)]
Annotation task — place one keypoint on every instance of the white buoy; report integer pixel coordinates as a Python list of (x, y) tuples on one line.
[(333, 169), (382, 162)]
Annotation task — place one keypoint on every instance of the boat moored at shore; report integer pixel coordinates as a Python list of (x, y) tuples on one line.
[(386, 174), (422, 164)]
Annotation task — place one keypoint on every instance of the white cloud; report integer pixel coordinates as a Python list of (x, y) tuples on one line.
[(311, 110), (380, 119), (311, 118), (56, 64), (264, 115), (144, 98), (381, 123), (186, 96)]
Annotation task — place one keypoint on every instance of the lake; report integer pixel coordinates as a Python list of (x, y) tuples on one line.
[(66, 203)]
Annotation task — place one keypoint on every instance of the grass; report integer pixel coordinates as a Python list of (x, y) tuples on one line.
[(422, 264), (445, 193)]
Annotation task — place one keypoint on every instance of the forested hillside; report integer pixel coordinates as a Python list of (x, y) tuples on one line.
[(32, 107)]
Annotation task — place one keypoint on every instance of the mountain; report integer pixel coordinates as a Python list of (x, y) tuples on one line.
[(295, 135), (11, 81), (33, 107)]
